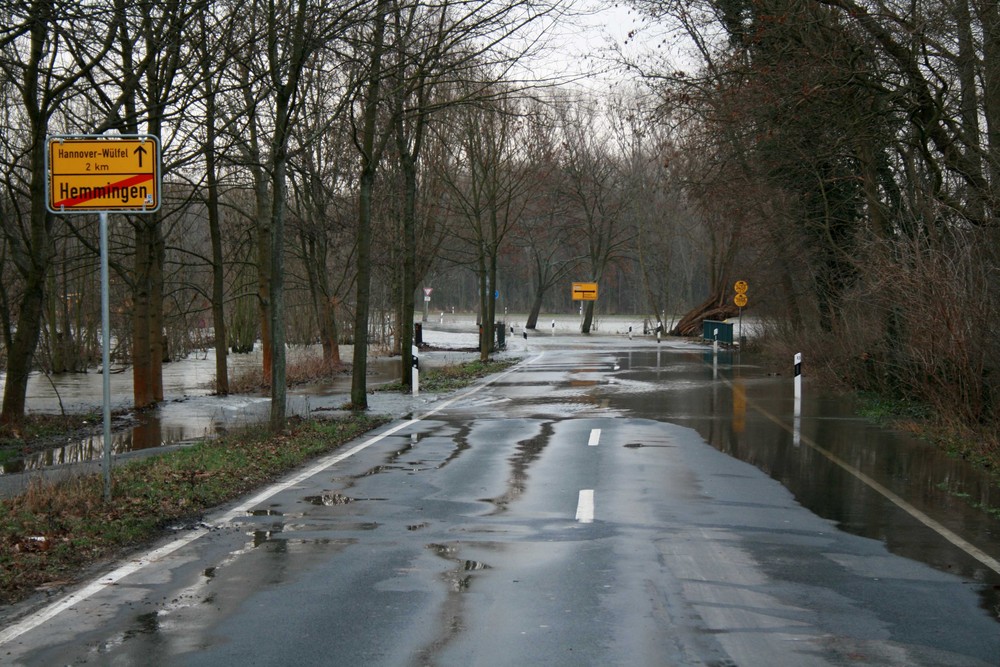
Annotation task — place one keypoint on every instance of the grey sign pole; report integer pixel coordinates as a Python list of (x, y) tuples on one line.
[(106, 354)]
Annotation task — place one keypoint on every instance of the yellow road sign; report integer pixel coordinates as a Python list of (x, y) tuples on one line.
[(740, 300), (584, 291), (98, 173), (741, 287)]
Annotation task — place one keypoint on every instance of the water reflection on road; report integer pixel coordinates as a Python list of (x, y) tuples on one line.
[(741, 410)]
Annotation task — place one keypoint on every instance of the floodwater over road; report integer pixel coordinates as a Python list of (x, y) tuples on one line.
[(451, 536), (740, 407), (871, 480)]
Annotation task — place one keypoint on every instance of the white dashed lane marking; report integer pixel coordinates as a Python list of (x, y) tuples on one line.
[(585, 506)]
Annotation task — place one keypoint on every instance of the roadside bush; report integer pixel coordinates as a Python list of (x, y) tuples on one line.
[(918, 327)]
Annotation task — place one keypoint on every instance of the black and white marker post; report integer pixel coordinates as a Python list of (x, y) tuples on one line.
[(797, 410), (415, 371), (798, 382)]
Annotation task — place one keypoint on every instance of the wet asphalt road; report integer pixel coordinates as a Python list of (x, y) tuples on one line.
[(573, 512)]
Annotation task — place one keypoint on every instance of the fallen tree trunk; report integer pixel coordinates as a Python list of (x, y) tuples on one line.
[(714, 308)]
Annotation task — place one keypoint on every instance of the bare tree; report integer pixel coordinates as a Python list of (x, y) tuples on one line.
[(597, 191), (46, 50)]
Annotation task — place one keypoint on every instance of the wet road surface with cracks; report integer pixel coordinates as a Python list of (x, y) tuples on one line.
[(606, 502)]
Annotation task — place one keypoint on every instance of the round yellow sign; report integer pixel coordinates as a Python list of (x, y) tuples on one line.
[(740, 300), (741, 287)]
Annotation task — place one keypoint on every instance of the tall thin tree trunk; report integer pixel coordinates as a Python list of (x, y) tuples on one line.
[(215, 231), (142, 382), (369, 160)]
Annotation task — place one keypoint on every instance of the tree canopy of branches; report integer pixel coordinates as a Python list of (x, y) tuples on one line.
[(861, 139)]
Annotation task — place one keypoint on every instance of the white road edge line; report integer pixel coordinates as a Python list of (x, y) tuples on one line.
[(51, 611), (585, 506), (595, 437), (898, 501)]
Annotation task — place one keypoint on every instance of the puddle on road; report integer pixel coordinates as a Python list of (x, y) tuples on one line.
[(458, 580), (331, 498), (734, 408), (526, 452), (265, 512)]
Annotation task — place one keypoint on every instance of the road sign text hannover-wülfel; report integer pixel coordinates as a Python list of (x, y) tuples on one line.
[(103, 173)]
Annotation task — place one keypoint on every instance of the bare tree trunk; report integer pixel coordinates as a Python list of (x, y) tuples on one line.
[(218, 269), (370, 155), (714, 307), (142, 381), (588, 317), (264, 218), (484, 334), (536, 310), (409, 169)]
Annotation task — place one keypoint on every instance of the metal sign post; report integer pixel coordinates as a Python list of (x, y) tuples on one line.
[(741, 301), (97, 173), (106, 354)]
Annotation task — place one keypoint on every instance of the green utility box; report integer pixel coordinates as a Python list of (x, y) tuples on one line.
[(714, 330)]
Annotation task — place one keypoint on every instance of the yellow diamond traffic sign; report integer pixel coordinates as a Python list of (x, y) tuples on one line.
[(103, 173)]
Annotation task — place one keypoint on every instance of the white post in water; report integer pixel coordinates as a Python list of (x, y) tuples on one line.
[(797, 414), (106, 354), (415, 371), (798, 381)]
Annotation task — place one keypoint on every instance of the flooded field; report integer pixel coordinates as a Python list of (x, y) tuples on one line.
[(190, 410)]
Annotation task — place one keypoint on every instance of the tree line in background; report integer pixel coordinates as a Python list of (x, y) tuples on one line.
[(321, 161), (852, 152)]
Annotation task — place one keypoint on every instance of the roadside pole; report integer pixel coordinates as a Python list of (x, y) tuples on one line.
[(415, 370), (798, 381), (106, 353), (102, 174), (797, 409)]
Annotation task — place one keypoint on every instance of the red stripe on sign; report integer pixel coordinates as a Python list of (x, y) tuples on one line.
[(103, 191)]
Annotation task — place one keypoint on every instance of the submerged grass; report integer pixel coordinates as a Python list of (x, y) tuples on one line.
[(53, 531), (978, 446), (35, 427)]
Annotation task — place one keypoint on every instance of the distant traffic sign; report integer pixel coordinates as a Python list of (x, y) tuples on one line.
[(584, 292), (741, 287), (740, 300), (103, 173)]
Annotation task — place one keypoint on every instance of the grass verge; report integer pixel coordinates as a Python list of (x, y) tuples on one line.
[(450, 378), (52, 532)]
